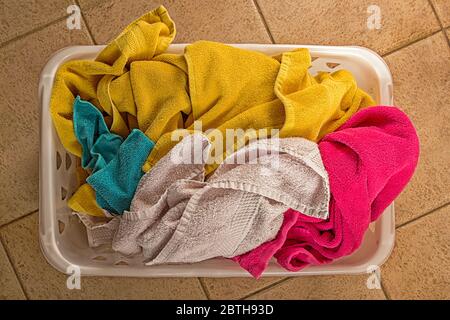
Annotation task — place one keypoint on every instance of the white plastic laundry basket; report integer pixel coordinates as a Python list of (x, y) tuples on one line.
[(63, 238)]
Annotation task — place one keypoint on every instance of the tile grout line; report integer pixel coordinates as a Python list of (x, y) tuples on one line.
[(270, 286), (410, 43), (90, 6), (13, 268), (204, 288), (446, 35), (421, 216), (263, 19), (37, 29), (18, 218), (89, 32), (435, 13), (439, 21)]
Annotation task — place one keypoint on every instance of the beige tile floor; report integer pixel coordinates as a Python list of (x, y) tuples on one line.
[(413, 39)]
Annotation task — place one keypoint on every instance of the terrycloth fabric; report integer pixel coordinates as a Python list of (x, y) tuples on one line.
[(83, 201), (116, 183), (107, 81), (99, 146), (136, 85), (369, 160), (176, 216), (232, 88), (103, 228), (256, 261), (243, 203)]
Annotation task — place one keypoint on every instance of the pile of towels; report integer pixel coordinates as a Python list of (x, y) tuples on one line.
[(304, 195)]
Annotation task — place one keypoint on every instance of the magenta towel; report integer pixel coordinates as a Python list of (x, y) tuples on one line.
[(369, 160)]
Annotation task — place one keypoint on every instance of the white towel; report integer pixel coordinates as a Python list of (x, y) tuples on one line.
[(178, 217)]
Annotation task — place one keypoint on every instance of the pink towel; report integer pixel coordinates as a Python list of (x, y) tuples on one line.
[(369, 160)]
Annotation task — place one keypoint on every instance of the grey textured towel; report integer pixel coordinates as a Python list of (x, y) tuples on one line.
[(178, 217)]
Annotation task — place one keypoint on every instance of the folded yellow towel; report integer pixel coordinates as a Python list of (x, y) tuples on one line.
[(137, 85)]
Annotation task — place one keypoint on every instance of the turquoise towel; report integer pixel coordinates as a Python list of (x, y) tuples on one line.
[(116, 183), (99, 146)]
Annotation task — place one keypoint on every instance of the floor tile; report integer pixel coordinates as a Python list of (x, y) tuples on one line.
[(443, 11), (9, 284), (21, 62), (419, 267), (41, 281), (87, 4), (230, 21), (19, 17), (421, 75), (321, 22), (235, 288), (321, 288)]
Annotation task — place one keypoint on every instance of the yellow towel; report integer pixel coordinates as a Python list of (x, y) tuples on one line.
[(109, 83), (137, 85), (233, 88)]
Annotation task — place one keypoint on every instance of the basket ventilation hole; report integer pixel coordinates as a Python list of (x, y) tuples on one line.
[(99, 258), (332, 65), (68, 161), (61, 226), (314, 59), (121, 263), (63, 193), (58, 160)]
